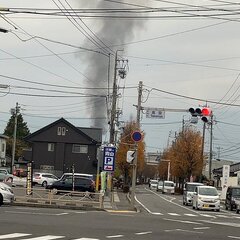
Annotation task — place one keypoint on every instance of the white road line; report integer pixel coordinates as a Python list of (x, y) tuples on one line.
[(181, 221), (199, 228), (206, 215), (36, 213), (234, 237), (115, 236), (86, 239), (223, 216), (174, 214), (183, 230), (143, 233), (47, 237), (154, 213), (14, 235), (230, 224), (190, 215)]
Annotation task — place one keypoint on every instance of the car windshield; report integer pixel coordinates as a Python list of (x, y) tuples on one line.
[(236, 192), (154, 181), (208, 191), (169, 184), (191, 187)]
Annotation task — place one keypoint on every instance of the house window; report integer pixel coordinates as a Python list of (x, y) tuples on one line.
[(80, 148), (59, 131), (51, 147), (3, 147)]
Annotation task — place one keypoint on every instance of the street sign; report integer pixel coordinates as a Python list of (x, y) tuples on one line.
[(155, 113), (109, 154), (137, 136)]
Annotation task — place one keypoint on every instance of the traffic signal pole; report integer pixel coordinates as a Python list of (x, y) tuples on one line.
[(134, 174), (211, 152)]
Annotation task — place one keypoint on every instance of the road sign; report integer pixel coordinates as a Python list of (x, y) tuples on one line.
[(155, 113), (109, 154), (137, 136)]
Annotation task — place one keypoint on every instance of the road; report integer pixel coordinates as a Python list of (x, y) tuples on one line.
[(163, 217)]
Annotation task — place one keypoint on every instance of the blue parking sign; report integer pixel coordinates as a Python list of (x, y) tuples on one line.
[(109, 155)]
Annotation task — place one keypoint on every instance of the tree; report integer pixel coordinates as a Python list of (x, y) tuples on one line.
[(22, 131), (185, 155), (126, 143)]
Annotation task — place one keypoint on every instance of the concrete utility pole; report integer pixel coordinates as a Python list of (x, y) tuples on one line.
[(211, 152), (15, 112), (134, 175), (114, 102)]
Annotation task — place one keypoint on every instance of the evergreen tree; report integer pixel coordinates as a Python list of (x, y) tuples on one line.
[(22, 131)]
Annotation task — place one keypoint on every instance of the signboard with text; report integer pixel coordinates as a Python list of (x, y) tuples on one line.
[(155, 113), (109, 154)]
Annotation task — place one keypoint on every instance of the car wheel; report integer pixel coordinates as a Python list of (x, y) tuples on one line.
[(44, 184), (231, 207), (226, 207), (237, 210), (193, 206), (218, 210), (1, 199)]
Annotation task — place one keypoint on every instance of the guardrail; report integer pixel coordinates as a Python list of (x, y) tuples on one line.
[(45, 197)]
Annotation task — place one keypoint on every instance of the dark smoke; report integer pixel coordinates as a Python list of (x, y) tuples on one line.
[(112, 32)]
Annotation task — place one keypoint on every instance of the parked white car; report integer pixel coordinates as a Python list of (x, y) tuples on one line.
[(206, 197), (44, 179), (188, 191), (6, 194), (160, 186), (19, 181), (168, 187), (153, 184)]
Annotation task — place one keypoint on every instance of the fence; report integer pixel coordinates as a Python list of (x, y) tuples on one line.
[(45, 197)]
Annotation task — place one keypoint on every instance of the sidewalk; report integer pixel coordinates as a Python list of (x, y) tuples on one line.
[(117, 201)]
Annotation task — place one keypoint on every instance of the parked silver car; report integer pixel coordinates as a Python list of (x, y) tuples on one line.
[(5, 176), (6, 194), (44, 179)]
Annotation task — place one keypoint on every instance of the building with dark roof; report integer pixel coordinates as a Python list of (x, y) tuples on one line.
[(60, 145)]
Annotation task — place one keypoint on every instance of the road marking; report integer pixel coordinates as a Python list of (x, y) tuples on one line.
[(47, 237), (199, 228), (85, 239), (231, 224), (234, 237), (223, 216), (173, 214), (154, 213), (36, 213), (206, 215), (182, 230), (14, 235), (143, 233), (181, 221), (190, 215), (115, 236)]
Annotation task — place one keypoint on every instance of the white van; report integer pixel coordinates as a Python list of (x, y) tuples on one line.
[(168, 187)]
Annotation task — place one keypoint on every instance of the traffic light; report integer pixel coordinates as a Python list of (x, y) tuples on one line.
[(204, 113), (130, 156)]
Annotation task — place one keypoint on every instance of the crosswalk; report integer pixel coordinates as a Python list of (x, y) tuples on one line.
[(202, 215), (28, 236)]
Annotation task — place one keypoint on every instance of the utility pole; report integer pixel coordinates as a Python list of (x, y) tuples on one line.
[(134, 174), (15, 113), (114, 101), (211, 152)]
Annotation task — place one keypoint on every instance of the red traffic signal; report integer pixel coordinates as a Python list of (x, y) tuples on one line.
[(206, 111)]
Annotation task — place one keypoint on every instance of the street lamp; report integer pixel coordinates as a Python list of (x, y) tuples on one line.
[(169, 165)]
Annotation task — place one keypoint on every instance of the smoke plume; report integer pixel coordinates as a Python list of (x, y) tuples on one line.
[(113, 32)]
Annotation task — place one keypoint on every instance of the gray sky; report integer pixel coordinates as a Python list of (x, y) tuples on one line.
[(170, 48)]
